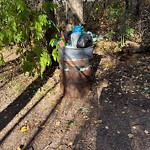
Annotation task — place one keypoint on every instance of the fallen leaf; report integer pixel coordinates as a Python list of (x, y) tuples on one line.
[(134, 127), (146, 131), (24, 128), (84, 110), (18, 148), (54, 103), (43, 126), (37, 123), (57, 111), (98, 121), (70, 144), (85, 117), (5, 117), (57, 123), (130, 135), (71, 123)]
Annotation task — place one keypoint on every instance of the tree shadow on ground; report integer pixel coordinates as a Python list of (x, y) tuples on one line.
[(9, 71), (64, 106), (10, 63), (29, 144), (119, 119), (21, 101), (9, 132), (95, 61)]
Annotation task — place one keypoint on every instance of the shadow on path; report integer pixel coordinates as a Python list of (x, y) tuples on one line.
[(29, 144), (21, 101), (9, 132), (119, 119), (9, 71)]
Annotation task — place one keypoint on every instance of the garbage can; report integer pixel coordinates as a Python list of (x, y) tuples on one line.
[(75, 71)]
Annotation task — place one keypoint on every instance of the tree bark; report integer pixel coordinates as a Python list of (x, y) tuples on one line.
[(75, 7), (138, 7), (127, 4)]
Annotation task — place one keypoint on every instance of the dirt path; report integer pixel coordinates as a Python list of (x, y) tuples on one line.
[(114, 116)]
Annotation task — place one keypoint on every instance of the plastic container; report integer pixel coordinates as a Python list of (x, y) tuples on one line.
[(76, 69), (68, 53)]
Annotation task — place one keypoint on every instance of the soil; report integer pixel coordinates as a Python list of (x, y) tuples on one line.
[(115, 115)]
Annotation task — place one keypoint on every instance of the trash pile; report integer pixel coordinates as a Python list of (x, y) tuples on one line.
[(77, 38)]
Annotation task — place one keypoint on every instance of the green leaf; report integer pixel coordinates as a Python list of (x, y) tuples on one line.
[(2, 62), (110, 33), (45, 59), (8, 36), (53, 42), (39, 35), (1, 36), (20, 5), (43, 19), (1, 44), (55, 54), (48, 6), (38, 26), (18, 37), (27, 66), (129, 31), (39, 31), (38, 51), (14, 26), (71, 124)]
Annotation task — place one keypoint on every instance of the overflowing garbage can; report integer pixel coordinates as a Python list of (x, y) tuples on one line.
[(75, 70), (75, 52)]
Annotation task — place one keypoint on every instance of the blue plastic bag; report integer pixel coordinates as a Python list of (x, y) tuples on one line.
[(77, 29)]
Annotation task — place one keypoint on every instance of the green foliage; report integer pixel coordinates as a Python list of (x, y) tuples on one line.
[(45, 58), (115, 12), (129, 31), (54, 44), (71, 124), (23, 25), (1, 60), (110, 34), (121, 20)]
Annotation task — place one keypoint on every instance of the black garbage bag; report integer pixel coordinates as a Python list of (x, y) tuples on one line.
[(67, 35), (85, 40)]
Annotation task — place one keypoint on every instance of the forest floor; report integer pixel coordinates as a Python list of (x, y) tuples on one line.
[(115, 115)]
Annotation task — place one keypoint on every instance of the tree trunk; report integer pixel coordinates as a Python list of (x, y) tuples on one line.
[(127, 4), (75, 11), (138, 7)]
